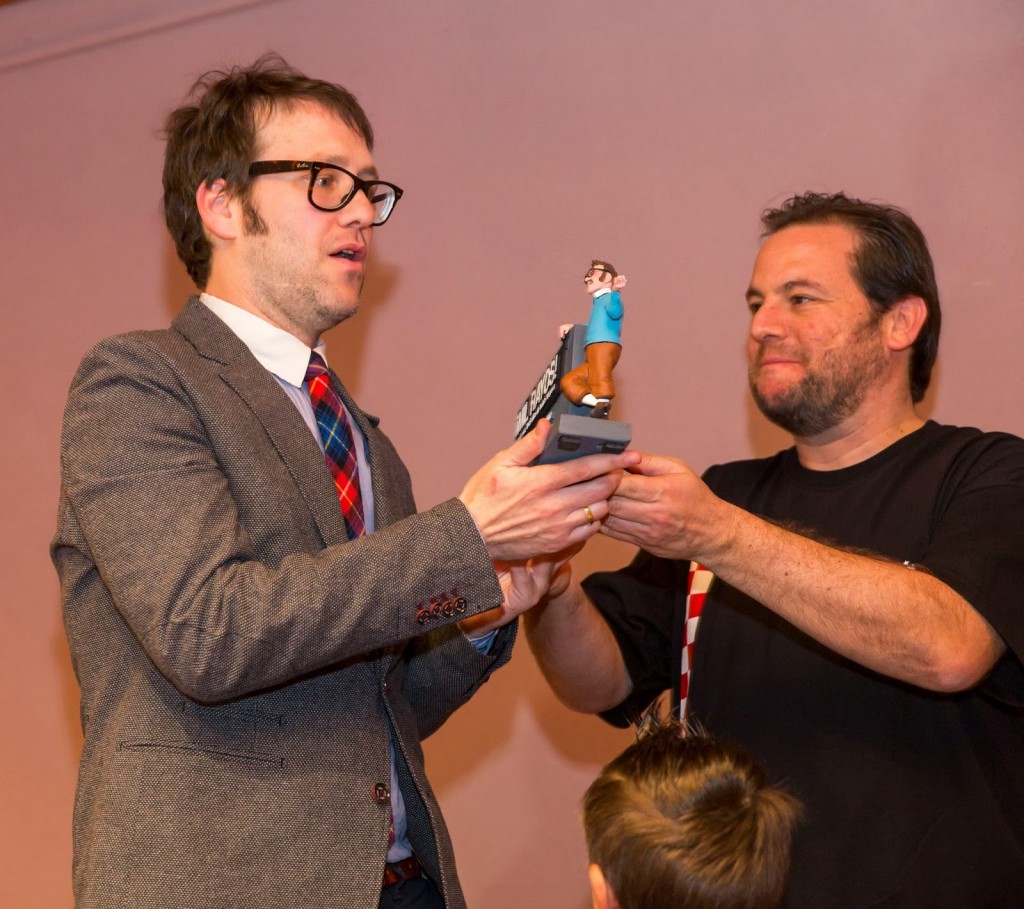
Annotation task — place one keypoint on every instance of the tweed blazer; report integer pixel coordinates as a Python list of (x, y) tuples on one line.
[(242, 665)]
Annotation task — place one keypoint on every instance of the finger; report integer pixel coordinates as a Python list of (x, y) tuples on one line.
[(579, 535), (651, 465), (528, 448), (633, 487), (625, 531), (623, 537), (632, 522), (522, 574), (638, 488), (595, 512), (638, 509), (599, 489)]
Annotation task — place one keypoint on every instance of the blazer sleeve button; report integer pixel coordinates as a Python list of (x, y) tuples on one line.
[(381, 793)]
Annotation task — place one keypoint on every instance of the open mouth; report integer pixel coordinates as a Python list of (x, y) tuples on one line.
[(351, 254)]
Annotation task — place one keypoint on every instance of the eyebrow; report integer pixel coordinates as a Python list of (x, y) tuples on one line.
[(370, 172), (797, 283)]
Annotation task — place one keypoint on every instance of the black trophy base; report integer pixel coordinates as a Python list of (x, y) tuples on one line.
[(575, 435)]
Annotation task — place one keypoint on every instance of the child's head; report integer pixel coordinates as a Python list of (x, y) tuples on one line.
[(682, 819)]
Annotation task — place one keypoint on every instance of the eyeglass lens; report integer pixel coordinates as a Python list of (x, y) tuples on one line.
[(331, 189)]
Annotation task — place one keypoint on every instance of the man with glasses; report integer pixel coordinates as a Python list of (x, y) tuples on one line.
[(590, 384), (262, 626)]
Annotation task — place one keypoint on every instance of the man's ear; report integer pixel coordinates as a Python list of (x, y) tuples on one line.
[(601, 893), (219, 210), (904, 322)]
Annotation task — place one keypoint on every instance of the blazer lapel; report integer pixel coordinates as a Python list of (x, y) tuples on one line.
[(270, 406)]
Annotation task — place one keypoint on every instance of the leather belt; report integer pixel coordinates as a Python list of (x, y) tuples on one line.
[(395, 872)]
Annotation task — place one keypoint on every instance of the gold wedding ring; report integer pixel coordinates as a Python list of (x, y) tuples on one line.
[(589, 514)]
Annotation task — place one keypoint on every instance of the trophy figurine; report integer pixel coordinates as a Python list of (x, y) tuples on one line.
[(576, 389)]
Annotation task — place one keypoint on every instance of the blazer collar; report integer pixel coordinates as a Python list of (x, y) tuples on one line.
[(270, 406)]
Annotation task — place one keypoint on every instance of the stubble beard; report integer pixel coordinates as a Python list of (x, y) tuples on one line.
[(834, 392), (300, 296)]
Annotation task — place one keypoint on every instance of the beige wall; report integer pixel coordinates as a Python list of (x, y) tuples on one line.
[(530, 137)]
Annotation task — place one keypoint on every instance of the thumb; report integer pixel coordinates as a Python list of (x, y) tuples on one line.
[(526, 449), (658, 465)]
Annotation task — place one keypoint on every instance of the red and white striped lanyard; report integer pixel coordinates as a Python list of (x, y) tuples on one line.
[(696, 589)]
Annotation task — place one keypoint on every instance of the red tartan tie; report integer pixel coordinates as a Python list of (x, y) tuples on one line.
[(339, 449), (340, 454), (699, 581)]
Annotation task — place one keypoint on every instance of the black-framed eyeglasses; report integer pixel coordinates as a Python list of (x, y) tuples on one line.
[(596, 271), (332, 187)]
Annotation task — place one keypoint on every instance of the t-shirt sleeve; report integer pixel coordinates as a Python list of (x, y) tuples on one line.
[(640, 604), (977, 547)]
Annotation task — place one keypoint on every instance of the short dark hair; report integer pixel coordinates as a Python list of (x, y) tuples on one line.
[(684, 819), (215, 138), (604, 266), (891, 262)]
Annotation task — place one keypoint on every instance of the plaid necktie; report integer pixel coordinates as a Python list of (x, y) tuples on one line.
[(339, 450), (697, 588)]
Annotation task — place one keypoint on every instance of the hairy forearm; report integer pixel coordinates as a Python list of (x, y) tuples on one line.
[(886, 616), (577, 651)]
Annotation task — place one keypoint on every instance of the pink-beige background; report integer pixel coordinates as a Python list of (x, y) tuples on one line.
[(529, 137)]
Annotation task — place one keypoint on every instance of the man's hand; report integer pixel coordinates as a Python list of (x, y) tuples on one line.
[(665, 508), (524, 585), (618, 282), (524, 511), (935, 640)]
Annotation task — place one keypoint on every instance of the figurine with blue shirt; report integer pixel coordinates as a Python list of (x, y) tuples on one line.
[(591, 384)]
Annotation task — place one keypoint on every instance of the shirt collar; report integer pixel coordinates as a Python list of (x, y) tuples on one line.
[(277, 350), (601, 292)]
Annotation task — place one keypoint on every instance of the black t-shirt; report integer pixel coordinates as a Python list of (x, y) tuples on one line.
[(912, 798)]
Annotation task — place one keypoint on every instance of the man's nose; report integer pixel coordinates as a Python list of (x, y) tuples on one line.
[(767, 321), (359, 212)]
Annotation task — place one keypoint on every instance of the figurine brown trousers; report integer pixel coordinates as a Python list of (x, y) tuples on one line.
[(593, 375)]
